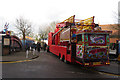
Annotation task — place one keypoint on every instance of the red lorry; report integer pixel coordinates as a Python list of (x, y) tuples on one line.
[(80, 42)]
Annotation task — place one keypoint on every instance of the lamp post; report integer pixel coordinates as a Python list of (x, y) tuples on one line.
[(0, 47)]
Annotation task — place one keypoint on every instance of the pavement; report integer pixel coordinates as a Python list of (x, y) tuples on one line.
[(17, 56)]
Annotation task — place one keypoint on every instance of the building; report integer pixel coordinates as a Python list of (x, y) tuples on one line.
[(9, 42), (111, 27)]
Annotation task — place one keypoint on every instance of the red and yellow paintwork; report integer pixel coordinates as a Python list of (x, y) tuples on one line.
[(78, 42)]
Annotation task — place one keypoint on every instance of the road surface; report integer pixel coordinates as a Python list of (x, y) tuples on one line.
[(48, 65)]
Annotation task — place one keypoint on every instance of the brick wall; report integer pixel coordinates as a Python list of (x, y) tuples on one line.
[(110, 27)]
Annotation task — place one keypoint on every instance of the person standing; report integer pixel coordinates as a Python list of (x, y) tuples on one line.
[(38, 46), (117, 48), (45, 45)]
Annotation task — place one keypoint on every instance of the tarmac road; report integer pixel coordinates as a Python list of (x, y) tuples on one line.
[(48, 65)]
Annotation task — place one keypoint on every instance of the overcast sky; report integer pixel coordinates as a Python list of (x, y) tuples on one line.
[(45, 11)]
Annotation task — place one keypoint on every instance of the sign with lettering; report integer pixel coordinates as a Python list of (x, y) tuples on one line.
[(6, 41), (101, 51)]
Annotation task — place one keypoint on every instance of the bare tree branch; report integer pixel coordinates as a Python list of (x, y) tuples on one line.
[(24, 27)]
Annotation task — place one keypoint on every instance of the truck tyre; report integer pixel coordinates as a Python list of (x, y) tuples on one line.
[(48, 49), (63, 58), (60, 56), (65, 61)]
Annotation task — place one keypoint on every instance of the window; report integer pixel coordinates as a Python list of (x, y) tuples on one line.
[(97, 39), (53, 40), (79, 39)]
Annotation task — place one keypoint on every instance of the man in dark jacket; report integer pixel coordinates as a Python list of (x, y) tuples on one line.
[(45, 45), (38, 46)]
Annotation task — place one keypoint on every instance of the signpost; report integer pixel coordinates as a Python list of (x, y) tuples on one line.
[(0, 45), (0, 56)]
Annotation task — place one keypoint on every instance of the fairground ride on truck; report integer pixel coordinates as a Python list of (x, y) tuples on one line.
[(80, 42)]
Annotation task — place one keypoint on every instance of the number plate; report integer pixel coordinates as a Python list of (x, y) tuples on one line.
[(96, 63)]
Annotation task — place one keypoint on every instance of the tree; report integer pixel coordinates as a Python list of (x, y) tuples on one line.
[(44, 30), (52, 25), (43, 34), (24, 28)]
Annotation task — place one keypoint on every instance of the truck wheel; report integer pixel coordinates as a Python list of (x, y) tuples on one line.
[(63, 58), (60, 56), (66, 61), (48, 49)]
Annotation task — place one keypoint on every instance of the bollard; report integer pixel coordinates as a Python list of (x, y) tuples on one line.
[(30, 48), (33, 51), (27, 54)]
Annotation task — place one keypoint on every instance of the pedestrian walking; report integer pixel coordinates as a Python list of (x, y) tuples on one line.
[(45, 45), (38, 46), (34, 46)]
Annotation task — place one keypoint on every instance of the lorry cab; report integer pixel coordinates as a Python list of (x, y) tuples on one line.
[(92, 47)]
